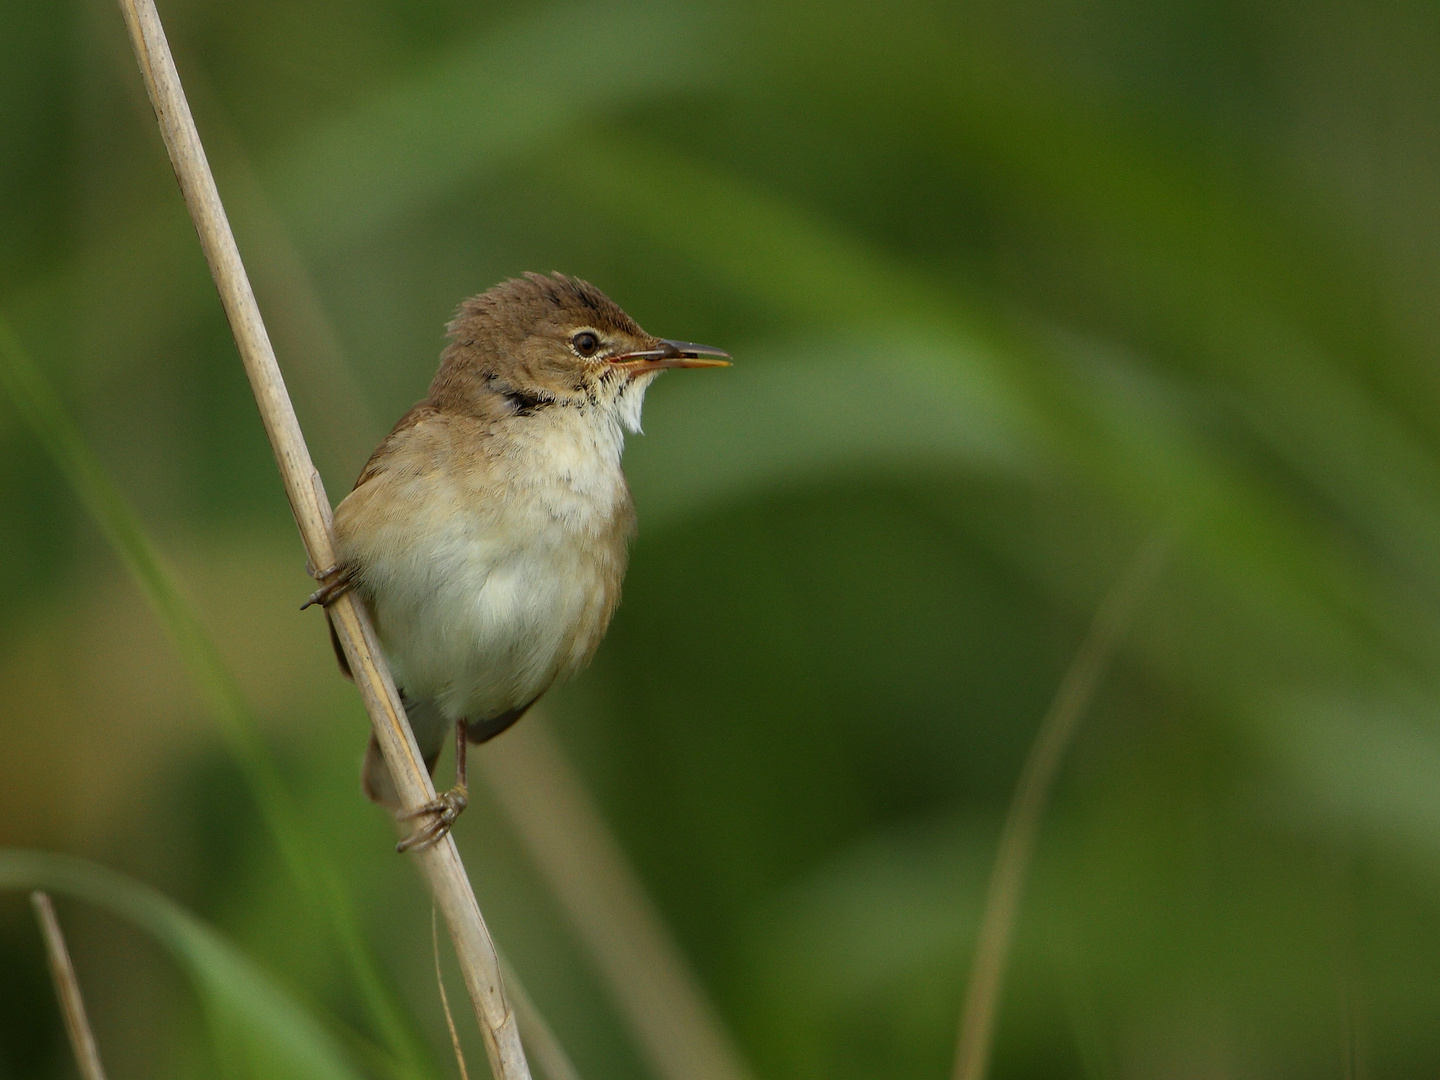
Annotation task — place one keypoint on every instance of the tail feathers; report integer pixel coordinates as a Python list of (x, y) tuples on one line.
[(430, 729), (375, 778), (339, 652), (479, 731)]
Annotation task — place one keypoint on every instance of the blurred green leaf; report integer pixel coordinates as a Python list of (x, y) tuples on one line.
[(815, 411), (317, 878), (417, 142), (905, 371), (879, 912), (1007, 283), (391, 156), (269, 1033), (1360, 766)]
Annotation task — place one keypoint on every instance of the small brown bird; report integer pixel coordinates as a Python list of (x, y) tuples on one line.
[(490, 530)]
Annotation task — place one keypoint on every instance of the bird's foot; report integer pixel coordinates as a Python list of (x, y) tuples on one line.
[(441, 812), (334, 583)]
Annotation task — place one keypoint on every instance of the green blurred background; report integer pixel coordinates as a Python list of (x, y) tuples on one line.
[(1011, 287)]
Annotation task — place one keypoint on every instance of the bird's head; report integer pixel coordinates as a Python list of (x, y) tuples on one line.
[(544, 341)]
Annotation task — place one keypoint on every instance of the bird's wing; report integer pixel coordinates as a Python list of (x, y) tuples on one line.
[(373, 467), (418, 412)]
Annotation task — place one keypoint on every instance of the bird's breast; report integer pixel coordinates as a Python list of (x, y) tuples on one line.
[(487, 586)]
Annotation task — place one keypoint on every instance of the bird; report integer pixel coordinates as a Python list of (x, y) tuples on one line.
[(489, 532)]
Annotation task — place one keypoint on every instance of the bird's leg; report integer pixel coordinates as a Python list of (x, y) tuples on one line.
[(444, 808), (334, 583)]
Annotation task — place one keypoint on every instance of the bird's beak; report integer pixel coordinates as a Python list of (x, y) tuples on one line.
[(670, 354)]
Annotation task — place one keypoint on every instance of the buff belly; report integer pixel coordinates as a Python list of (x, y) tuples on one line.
[(482, 624), (486, 590)]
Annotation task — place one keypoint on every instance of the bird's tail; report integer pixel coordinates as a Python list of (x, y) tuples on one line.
[(431, 729)]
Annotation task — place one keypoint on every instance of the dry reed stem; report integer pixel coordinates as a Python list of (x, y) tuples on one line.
[(320, 362), (679, 1033), (67, 989), (1022, 821), (441, 861)]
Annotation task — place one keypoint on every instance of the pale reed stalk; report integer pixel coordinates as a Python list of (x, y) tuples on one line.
[(440, 862), (327, 379), (67, 989), (1022, 821)]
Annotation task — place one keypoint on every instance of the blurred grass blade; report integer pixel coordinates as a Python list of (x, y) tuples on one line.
[(416, 142), (317, 879), (67, 989), (676, 1026), (460, 118), (872, 334), (796, 414), (993, 390), (1362, 763), (541, 1042), (1032, 792), (265, 1021), (764, 247)]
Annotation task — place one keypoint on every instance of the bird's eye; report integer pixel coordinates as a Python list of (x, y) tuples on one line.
[(586, 343)]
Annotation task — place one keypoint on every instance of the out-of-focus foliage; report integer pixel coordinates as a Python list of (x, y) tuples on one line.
[(1010, 286), (265, 1031)]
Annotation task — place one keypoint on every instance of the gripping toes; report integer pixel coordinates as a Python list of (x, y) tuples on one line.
[(440, 813), (334, 583)]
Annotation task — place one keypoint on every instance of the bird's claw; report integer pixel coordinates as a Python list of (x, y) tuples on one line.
[(442, 811), (334, 583)]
